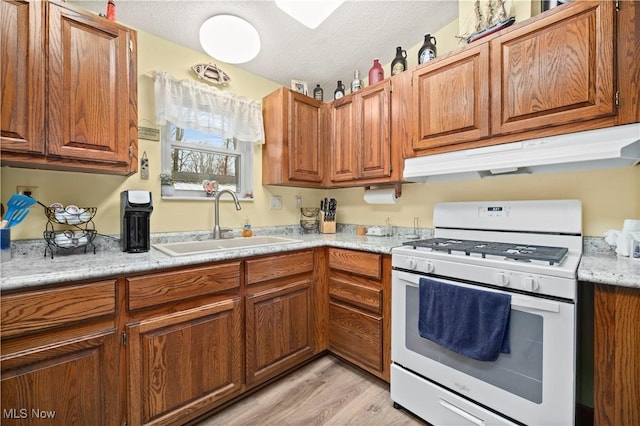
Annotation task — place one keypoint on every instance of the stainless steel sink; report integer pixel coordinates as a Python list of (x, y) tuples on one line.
[(209, 246)]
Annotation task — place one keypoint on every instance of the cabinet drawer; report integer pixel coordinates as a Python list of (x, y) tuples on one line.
[(356, 336), (44, 309), (361, 295), (268, 268), (367, 264), (165, 287)]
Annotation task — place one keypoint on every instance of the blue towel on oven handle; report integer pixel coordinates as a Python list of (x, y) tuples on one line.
[(469, 321)]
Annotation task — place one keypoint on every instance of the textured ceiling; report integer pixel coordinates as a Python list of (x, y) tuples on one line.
[(349, 39)]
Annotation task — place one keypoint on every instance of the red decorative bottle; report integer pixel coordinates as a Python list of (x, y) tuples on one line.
[(376, 73), (111, 10)]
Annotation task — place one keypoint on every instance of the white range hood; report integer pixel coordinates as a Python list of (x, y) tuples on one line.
[(611, 147)]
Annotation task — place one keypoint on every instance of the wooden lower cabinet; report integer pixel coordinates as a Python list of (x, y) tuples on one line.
[(359, 309), (169, 346), (617, 356), (280, 315), (60, 356), (183, 363)]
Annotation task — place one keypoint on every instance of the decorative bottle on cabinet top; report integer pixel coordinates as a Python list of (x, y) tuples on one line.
[(428, 50), (111, 10), (318, 93), (399, 63), (356, 84), (376, 73), (339, 92)]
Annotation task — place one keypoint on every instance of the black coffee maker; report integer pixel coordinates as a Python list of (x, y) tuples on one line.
[(135, 213)]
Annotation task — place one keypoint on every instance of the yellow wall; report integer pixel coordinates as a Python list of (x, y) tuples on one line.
[(608, 196)]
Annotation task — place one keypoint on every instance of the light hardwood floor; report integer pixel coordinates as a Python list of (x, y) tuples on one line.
[(327, 391)]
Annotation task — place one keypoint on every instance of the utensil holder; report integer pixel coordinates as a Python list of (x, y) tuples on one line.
[(327, 226)]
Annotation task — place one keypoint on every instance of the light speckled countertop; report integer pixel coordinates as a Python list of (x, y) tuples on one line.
[(609, 269), (29, 268)]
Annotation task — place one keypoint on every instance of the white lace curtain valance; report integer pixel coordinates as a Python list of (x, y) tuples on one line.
[(193, 105)]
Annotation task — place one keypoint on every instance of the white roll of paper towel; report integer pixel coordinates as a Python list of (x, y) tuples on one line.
[(380, 196)]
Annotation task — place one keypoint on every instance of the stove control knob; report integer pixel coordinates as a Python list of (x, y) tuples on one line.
[(530, 283), (429, 267), (502, 279), (412, 263)]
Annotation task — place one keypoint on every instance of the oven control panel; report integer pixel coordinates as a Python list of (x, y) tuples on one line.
[(496, 276), (494, 211)]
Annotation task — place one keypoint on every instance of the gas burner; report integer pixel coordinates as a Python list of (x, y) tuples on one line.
[(519, 252)]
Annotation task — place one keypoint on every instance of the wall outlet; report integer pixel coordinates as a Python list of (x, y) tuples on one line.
[(29, 191), (276, 202), (144, 168), (298, 201)]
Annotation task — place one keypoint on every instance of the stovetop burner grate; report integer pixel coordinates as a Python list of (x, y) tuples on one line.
[(521, 252)]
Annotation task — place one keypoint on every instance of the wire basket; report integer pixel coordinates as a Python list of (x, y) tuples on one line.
[(309, 218), (70, 216)]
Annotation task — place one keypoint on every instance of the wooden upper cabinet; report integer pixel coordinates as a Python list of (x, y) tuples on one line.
[(374, 122), (88, 87), (451, 99), (361, 135), (70, 90), (344, 135), (22, 72), (294, 138), (557, 70), (306, 138)]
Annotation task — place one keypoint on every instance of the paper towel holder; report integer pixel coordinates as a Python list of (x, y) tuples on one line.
[(396, 186)]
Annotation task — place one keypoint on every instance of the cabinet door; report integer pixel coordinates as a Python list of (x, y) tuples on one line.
[(306, 137), (64, 383), (344, 135), (279, 334), (557, 70), (90, 88), (616, 355), (22, 71), (374, 123), (356, 336), (451, 99), (183, 363)]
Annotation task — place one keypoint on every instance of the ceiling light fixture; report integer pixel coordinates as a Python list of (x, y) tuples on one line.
[(230, 39), (310, 13)]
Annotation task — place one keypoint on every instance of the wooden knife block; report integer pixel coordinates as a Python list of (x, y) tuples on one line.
[(326, 227)]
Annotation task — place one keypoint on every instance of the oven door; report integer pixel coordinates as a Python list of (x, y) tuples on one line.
[(534, 384)]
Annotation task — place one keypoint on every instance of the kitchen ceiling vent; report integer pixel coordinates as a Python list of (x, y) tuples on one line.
[(611, 147), (310, 13)]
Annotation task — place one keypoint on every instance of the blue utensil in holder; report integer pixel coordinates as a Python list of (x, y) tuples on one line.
[(5, 244)]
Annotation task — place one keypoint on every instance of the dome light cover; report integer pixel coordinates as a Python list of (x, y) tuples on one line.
[(230, 39)]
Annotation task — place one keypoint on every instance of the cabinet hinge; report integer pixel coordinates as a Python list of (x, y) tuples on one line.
[(124, 338), (617, 100), (617, 5), (130, 150), (131, 45)]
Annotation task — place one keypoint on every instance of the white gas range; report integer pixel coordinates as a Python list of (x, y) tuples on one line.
[(528, 250)]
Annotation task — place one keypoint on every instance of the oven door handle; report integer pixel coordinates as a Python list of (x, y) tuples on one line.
[(537, 304), (462, 413), (516, 301)]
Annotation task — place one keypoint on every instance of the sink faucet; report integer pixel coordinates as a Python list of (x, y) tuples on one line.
[(216, 227)]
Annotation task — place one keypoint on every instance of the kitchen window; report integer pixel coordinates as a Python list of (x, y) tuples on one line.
[(207, 134), (193, 156)]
